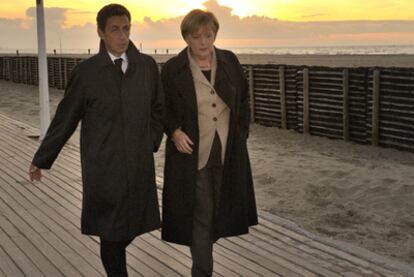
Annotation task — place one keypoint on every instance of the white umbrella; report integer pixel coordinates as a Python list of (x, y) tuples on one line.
[(43, 77)]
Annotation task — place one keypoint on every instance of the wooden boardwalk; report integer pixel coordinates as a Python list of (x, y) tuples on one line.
[(40, 233)]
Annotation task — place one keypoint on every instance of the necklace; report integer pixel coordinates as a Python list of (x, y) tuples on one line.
[(205, 66)]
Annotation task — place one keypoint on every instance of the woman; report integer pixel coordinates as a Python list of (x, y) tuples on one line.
[(208, 188)]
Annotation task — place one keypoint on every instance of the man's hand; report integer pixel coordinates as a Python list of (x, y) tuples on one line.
[(182, 142), (35, 173)]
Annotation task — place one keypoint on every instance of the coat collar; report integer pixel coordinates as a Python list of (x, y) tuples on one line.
[(183, 61), (132, 53), (184, 77), (198, 74)]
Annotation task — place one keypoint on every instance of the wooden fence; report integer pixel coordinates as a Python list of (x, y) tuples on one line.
[(365, 105)]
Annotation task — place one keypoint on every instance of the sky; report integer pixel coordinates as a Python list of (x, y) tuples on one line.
[(243, 23)]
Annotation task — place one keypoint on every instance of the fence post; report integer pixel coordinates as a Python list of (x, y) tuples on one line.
[(60, 73), (65, 72), (20, 63), (375, 107), (24, 68), (9, 76), (345, 115), (2, 69), (306, 127), (283, 112), (30, 71), (251, 94)]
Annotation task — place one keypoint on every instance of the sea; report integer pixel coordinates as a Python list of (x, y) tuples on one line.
[(286, 50)]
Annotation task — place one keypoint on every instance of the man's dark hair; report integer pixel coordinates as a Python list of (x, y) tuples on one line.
[(108, 11)]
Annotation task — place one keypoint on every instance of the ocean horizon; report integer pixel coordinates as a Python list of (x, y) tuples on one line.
[(283, 50)]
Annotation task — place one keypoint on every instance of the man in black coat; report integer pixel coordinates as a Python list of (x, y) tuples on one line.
[(117, 95)]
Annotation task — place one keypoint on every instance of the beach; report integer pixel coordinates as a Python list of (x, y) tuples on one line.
[(359, 194)]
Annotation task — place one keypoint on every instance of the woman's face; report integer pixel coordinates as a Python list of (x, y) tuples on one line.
[(201, 42)]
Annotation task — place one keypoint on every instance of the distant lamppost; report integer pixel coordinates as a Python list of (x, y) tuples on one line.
[(43, 77)]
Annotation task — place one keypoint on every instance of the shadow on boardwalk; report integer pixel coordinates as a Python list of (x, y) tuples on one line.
[(40, 233)]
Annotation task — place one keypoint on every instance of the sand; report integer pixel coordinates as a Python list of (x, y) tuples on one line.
[(355, 193)]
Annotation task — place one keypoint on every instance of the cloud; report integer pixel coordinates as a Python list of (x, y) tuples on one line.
[(234, 31), (313, 15), (270, 31), (16, 33)]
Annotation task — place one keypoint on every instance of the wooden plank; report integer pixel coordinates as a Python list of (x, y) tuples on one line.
[(396, 83), (323, 95), (314, 263), (7, 265), (24, 264), (325, 109), (178, 261), (331, 103), (265, 90), (275, 263), (241, 265), (162, 263), (260, 78)]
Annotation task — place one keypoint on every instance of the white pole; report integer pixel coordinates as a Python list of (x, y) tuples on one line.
[(43, 78)]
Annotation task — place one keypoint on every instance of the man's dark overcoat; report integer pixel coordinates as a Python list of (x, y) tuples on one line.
[(236, 206), (121, 126)]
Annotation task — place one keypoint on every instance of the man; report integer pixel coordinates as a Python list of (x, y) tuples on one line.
[(117, 96)]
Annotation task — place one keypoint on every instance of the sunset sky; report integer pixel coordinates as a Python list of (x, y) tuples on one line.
[(244, 23)]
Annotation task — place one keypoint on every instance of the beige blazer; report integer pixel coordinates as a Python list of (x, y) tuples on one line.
[(213, 113)]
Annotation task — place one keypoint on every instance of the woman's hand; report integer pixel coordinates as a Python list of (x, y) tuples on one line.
[(182, 142)]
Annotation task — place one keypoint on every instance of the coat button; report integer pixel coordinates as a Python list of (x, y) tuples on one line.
[(214, 118), (212, 92), (213, 105)]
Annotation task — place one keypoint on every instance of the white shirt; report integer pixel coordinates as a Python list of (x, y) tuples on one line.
[(124, 57)]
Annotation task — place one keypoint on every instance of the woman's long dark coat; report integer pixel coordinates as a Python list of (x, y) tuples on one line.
[(237, 207), (121, 127)]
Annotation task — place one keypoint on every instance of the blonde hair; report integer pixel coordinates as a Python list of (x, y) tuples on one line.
[(196, 19)]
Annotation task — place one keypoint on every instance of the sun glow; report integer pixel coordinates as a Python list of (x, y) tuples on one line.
[(80, 12), (241, 7)]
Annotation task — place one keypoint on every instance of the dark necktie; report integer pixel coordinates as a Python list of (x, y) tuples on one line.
[(118, 63)]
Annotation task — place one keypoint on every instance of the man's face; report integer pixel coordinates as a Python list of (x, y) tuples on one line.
[(116, 34)]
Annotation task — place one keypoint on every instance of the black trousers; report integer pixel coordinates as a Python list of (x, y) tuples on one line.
[(206, 196), (113, 256)]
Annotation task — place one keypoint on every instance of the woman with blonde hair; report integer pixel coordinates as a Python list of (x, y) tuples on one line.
[(208, 187)]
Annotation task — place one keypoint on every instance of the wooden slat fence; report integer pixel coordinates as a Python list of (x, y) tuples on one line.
[(24, 69), (396, 107), (365, 105)]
